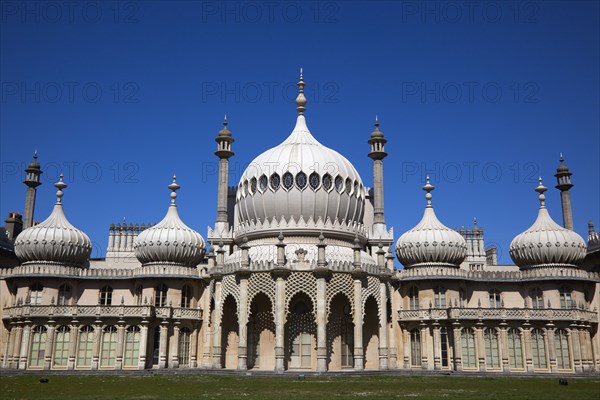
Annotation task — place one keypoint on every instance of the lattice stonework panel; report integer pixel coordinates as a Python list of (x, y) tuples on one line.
[(229, 286), (301, 282), (372, 289), (340, 283), (261, 282)]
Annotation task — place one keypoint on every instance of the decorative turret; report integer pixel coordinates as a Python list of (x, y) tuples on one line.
[(377, 154), (32, 181), (54, 240), (170, 241), (545, 243), (224, 140), (563, 179), (431, 243)]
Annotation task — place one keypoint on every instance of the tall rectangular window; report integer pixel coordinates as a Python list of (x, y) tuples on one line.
[(86, 345), (468, 348), (492, 353), (109, 347), (132, 346), (515, 353)]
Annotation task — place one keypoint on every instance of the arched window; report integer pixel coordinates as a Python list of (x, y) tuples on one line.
[(275, 181), (252, 185), (444, 346), (160, 295), (132, 346), (537, 300), (347, 344), (138, 295), (184, 347), (356, 192), (538, 347), (38, 347), (288, 181), (415, 347), (469, 359), (35, 294), (339, 184), (61, 346), (495, 301), (413, 298), (314, 180), (561, 341), (245, 188), (186, 296), (109, 347), (492, 353), (301, 180), (515, 352), (106, 296), (64, 295), (86, 345), (439, 297), (263, 183), (565, 298), (348, 186), (327, 182), (462, 294)]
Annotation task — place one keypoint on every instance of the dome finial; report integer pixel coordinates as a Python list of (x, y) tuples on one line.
[(225, 120), (541, 189), (174, 188), (376, 121), (562, 159), (60, 185), (428, 188), (301, 100)]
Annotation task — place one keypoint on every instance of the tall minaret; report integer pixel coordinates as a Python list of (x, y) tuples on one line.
[(377, 142), (32, 181), (563, 178), (224, 140)]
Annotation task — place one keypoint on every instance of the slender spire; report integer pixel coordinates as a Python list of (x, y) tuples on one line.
[(541, 189), (301, 100), (60, 185), (428, 188), (174, 188)]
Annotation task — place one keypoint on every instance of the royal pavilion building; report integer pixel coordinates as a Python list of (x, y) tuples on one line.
[(299, 276)]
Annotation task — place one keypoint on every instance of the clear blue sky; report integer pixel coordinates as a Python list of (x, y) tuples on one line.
[(483, 97)]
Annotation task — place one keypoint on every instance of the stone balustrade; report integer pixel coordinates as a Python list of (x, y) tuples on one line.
[(100, 311), (505, 314), (547, 273)]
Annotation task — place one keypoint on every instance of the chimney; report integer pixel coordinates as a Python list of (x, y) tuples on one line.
[(14, 225)]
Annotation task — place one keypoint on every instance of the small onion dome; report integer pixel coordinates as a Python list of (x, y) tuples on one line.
[(377, 134), (562, 167), (55, 239), (431, 243), (546, 243), (34, 164), (170, 241)]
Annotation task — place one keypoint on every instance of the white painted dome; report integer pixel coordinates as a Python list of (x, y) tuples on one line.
[(300, 179), (55, 239), (546, 243), (431, 243), (170, 241)]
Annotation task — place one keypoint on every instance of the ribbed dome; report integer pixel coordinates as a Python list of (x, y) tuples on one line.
[(170, 241), (431, 243), (300, 178), (546, 243), (55, 239)]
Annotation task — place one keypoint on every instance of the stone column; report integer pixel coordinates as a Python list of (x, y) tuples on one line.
[(194, 347), (457, 350), (162, 349), (503, 336), (383, 321), (49, 344), (551, 347), (120, 344), (97, 344), (25, 346), (280, 274), (480, 348), (406, 346), (437, 346), (575, 348), (174, 350), (424, 346), (16, 347), (143, 344), (217, 322), (528, 349), (586, 357), (205, 332), (321, 273), (10, 339), (74, 339), (358, 275), (393, 332), (243, 276)]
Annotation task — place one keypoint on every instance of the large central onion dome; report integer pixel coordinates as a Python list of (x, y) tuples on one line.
[(545, 243), (54, 240), (431, 243), (170, 241), (300, 178)]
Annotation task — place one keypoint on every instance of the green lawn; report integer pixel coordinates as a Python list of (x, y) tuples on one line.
[(290, 387)]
